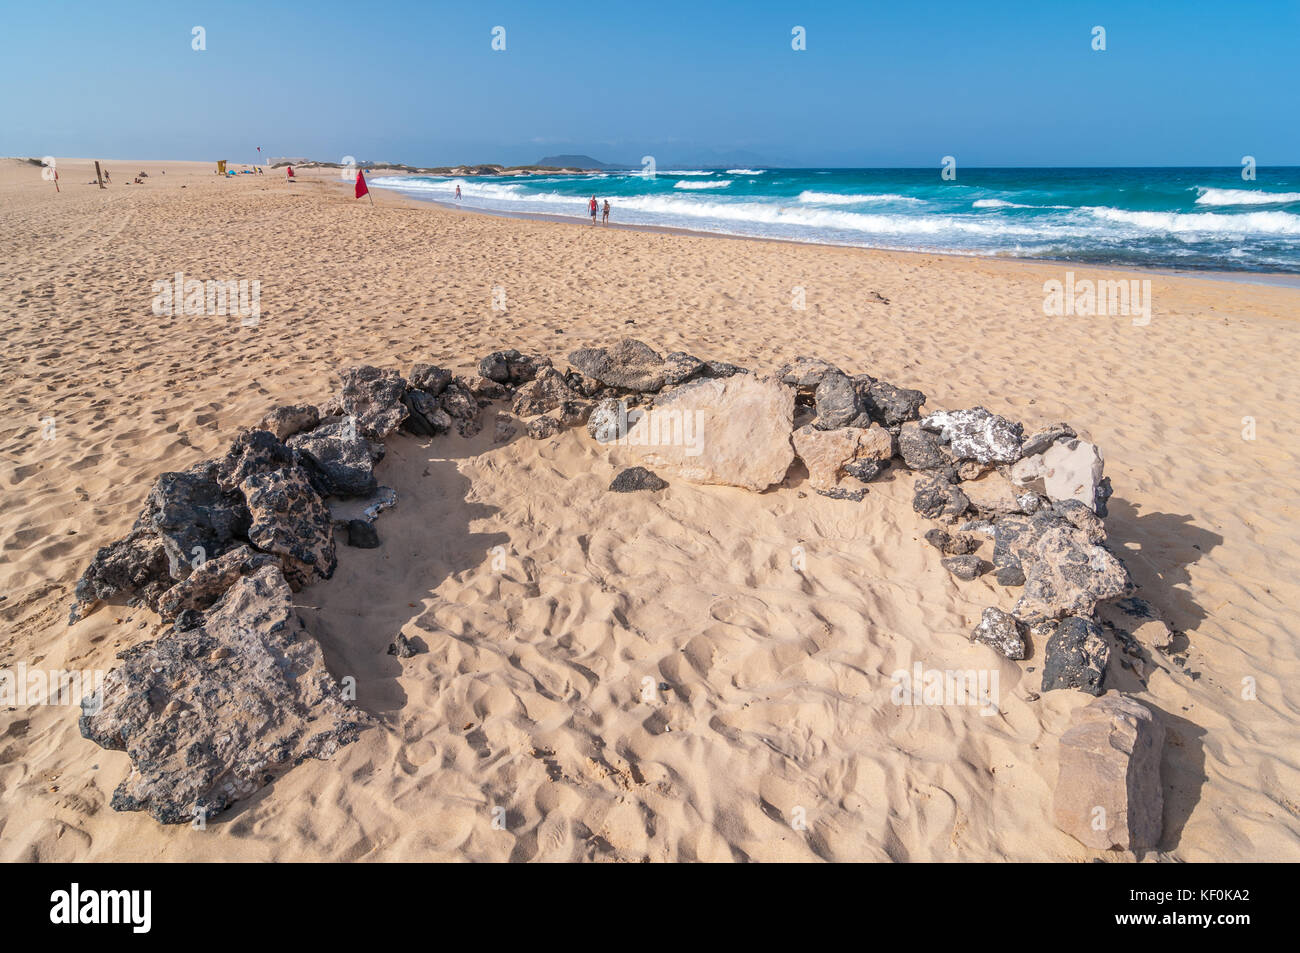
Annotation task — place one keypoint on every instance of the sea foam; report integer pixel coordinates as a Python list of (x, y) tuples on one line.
[(1247, 223), (837, 198), (1244, 197)]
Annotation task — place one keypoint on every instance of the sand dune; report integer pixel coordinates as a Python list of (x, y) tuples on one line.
[(554, 611)]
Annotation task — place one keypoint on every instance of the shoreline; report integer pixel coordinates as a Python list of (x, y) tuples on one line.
[(1265, 278)]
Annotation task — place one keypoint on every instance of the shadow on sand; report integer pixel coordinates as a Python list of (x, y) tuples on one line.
[(1158, 549), (425, 539)]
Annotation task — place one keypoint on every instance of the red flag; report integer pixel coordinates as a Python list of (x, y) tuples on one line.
[(361, 184)]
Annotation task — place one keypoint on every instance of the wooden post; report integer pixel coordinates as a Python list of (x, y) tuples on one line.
[(98, 174)]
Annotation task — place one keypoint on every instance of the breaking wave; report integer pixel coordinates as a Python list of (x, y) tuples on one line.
[(1247, 223), (1109, 216), (837, 198), (1244, 197)]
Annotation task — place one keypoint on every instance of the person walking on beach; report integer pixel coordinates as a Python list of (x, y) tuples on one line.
[(604, 219), (457, 193), (591, 207)]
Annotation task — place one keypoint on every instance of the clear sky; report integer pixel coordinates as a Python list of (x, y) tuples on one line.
[(1181, 82)]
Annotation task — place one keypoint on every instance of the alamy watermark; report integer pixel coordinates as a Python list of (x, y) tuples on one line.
[(666, 427), (976, 688), (21, 686), (1088, 298), (131, 908), (191, 297)]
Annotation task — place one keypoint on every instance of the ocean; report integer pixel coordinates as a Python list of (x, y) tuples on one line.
[(1181, 218)]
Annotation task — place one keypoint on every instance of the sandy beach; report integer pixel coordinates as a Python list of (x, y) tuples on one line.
[(545, 602)]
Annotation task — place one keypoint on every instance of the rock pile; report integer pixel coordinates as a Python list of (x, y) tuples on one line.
[(228, 539), (228, 701)]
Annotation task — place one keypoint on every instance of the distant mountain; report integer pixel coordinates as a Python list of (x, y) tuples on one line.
[(718, 159), (667, 159), (578, 162)]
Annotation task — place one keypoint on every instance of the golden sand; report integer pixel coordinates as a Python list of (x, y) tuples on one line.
[(529, 697)]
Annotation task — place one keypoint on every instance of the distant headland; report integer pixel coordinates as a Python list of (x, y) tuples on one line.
[(548, 165)]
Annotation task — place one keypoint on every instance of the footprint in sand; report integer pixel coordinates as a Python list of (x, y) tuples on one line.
[(744, 611)]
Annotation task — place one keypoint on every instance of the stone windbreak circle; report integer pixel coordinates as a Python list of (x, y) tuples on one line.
[(236, 692)]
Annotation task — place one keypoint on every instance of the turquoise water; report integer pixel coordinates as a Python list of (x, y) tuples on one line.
[(1180, 218)]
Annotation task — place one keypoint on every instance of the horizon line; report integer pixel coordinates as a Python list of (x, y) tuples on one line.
[(617, 167)]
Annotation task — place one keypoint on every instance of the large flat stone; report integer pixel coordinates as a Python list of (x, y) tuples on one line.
[(1108, 791), (733, 431)]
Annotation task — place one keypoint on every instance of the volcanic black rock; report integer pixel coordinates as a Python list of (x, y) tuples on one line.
[(362, 535), (339, 461), (1076, 657), (210, 714), (636, 478)]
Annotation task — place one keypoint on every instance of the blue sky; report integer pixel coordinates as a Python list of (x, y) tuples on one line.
[(880, 83)]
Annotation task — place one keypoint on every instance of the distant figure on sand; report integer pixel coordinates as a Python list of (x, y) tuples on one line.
[(604, 218), (458, 193), (289, 170), (591, 207)]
